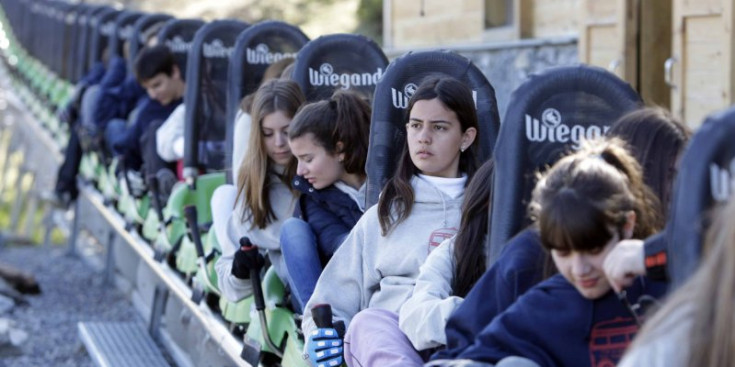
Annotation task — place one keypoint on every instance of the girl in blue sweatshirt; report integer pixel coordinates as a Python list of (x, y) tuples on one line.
[(330, 140), (656, 140), (584, 205)]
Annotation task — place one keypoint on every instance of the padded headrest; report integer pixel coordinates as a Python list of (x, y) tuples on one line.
[(547, 116), (121, 31), (137, 40), (84, 47), (102, 26), (705, 179), (256, 48), (178, 35), (402, 77), (346, 61), (206, 87), (61, 47)]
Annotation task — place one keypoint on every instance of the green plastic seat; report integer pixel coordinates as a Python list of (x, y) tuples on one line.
[(183, 196)]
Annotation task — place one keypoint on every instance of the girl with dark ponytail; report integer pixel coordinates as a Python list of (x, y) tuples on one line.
[(329, 139)]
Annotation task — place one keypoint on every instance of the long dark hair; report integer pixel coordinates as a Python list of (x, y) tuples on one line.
[(656, 139), (398, 196), (469, 249), (344, 118)]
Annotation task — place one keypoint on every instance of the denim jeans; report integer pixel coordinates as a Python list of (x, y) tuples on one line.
[(301, 255)]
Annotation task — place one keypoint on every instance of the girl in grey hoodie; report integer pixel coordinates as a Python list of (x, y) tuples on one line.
[(376, 266), (263, 198)]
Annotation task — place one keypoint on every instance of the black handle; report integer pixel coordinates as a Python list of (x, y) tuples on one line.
[(153, 187), (322, 315), (252, 251), (190, 212)]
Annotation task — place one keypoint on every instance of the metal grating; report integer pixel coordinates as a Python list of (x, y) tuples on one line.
[(120, 344)]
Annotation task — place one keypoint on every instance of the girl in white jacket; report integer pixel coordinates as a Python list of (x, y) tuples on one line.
[(450, 271), (376, 266), (263, 197)]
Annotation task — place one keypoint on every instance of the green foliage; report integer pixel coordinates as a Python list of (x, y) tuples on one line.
[(370, 19)]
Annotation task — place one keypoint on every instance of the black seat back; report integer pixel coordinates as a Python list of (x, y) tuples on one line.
[(402, 77), (178, 36), (121, 31), (547, 116), (66, 51), (137, 36), (256, 48), (84, 46), (706, 178), (206, 88), (346, 61), (102, 27)]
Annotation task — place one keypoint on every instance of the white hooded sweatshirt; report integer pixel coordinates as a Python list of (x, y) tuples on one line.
[(371, 270), (229, 228)]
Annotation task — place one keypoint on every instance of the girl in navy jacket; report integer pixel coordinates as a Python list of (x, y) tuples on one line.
[(583, 206), (330, 140)]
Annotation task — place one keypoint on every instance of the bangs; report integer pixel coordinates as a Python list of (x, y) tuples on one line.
[(573, 224)]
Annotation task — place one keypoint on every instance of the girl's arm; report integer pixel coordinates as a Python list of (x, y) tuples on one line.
[(423, 317), (328, 227), (349, 279)]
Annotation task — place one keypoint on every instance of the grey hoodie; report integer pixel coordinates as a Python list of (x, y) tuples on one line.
[(371, 270), (229, 227)]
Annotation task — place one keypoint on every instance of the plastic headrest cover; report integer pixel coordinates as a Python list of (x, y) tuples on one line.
[(205, 97), (706, 178), (346, 61), (548, 115)]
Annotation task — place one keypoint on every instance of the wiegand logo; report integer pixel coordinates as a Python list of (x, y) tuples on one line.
[(107, 28), (261, 55), (125, 32), (551, 129), (178, 45), (722, 180), (216, 49), (400, 98), (326, 76)]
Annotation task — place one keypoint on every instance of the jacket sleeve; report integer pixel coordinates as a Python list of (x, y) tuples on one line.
[(231, 287), (349, 278), (423, 316), (329, 229), (169, 133), (655, 249), (224, 224)]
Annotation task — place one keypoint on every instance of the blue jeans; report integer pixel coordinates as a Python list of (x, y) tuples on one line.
[(301, 255)]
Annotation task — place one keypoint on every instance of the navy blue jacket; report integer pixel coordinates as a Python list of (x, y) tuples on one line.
[(94, 75), (117, 100), (330, 212), (149, 110), (553, 325), (519, 267)]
